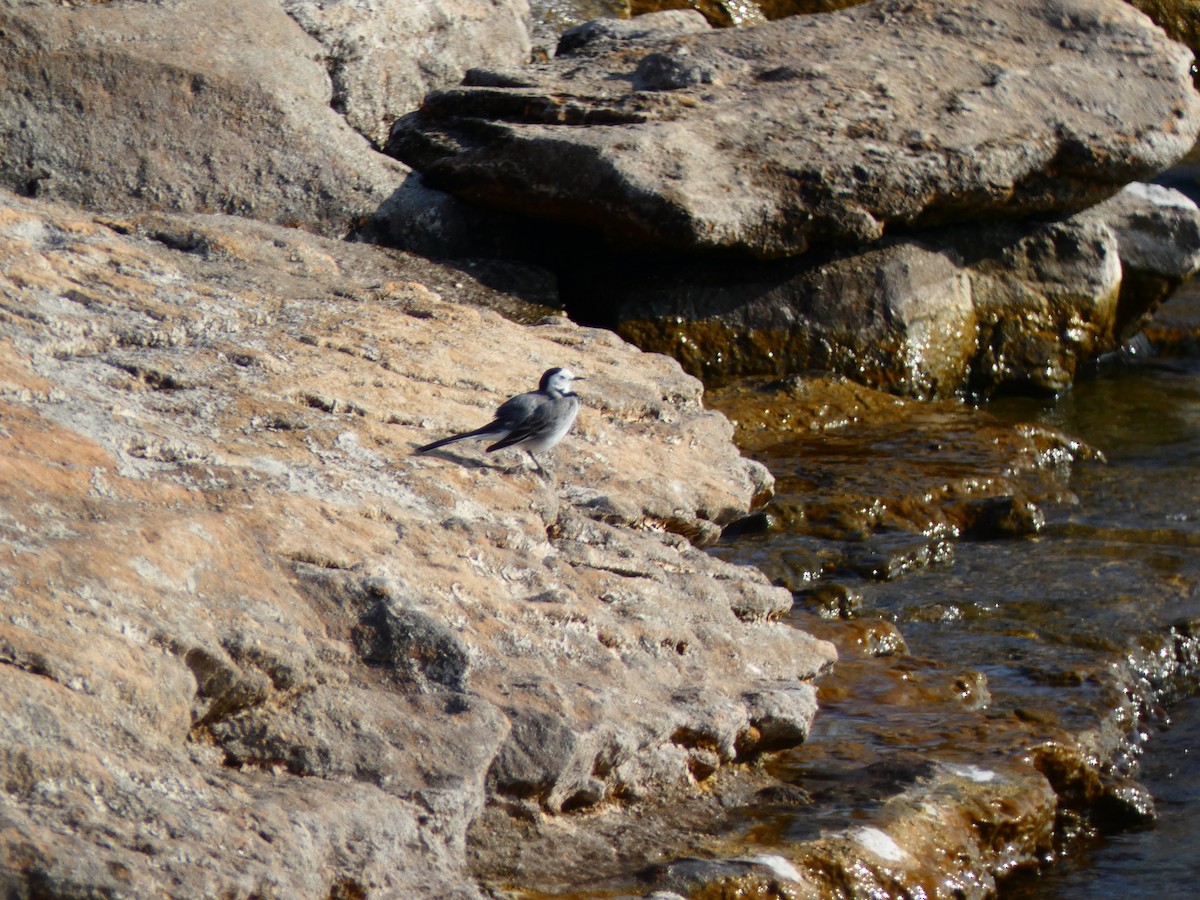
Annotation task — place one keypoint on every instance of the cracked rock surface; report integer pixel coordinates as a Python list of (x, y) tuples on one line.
[(251, 645)]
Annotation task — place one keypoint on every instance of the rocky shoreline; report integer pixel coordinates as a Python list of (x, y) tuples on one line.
[(253, 647)]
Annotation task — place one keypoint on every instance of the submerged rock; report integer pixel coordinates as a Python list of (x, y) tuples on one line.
[(821, 128), (721, 13), (893, 478)]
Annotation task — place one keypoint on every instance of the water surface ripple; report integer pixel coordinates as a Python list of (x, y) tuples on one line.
[(1075, 612)]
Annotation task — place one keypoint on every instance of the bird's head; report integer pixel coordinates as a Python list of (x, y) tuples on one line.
[(558, 381)]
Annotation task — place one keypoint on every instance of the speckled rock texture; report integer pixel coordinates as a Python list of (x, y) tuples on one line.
[(252, 646)]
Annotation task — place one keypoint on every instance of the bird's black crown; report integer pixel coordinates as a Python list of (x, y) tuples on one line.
[(544, 384)]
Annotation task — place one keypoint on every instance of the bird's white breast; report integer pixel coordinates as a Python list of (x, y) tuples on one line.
[(552, 437)]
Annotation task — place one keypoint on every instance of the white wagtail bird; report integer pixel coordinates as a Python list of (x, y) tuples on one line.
[(534, 421)]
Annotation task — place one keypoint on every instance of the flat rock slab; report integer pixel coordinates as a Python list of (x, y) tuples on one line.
[(820, 128), (253, 645)]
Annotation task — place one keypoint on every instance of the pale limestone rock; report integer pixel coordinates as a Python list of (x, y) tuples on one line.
[(255, 645)]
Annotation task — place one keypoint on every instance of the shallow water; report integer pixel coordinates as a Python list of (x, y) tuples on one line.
[(1140, 517), (1163, 861), (962, 650)]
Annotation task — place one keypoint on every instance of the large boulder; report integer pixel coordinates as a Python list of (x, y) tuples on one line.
[(1045, 299), (218, 106), (1158, 238), (897, 316), (826, 128), (254, 646)]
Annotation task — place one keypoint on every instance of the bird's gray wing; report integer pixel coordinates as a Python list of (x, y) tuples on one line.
[(527, 415)]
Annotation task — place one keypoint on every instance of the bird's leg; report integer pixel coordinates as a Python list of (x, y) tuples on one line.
[(541, 471)]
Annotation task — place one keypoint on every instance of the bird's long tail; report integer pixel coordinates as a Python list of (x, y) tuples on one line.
[(486, 431)]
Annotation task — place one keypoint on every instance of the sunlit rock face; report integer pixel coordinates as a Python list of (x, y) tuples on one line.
[(256, 108), (254, 645), (824, 128)]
